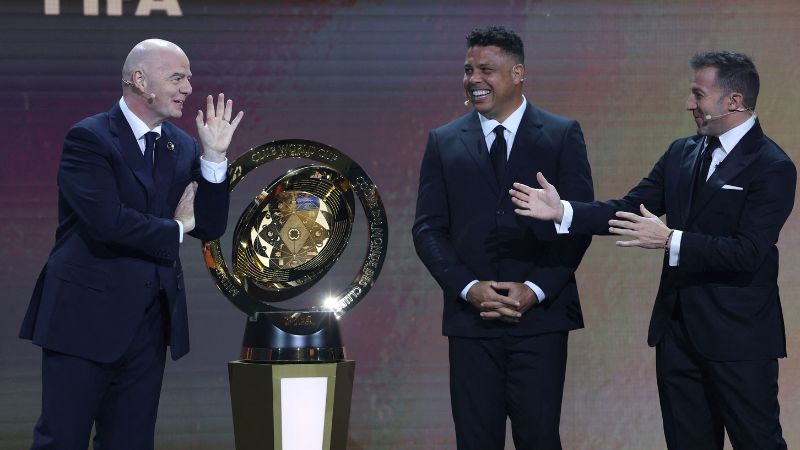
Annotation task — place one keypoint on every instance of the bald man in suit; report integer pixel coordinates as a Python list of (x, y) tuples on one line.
[(111, 296)]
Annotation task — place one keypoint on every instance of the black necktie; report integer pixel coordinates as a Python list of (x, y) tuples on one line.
[(149, 148), (704, 164), (498, 154), (705, 159)]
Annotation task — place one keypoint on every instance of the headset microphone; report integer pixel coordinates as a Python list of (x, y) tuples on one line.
[(466, 102), (709, 117), (150, 96)]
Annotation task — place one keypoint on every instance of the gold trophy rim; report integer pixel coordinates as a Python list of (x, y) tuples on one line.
[(363, 188)]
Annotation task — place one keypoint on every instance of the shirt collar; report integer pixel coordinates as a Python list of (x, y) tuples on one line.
[(138, 126), (511, 123), (730, 138)]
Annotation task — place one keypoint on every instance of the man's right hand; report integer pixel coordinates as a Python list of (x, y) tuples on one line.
[(216, 128), (542, 204), (185, 210), (484, 296)]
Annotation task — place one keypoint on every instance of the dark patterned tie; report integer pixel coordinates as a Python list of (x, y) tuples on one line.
[(149, 148), (705, 158), (704, 164), (498, 154)]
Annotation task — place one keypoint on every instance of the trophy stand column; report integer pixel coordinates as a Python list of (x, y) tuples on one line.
[(291, 391)]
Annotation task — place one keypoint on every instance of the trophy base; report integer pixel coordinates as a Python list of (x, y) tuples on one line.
[(293, 337), (291, 406)]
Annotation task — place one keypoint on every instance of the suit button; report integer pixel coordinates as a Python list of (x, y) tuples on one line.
[(500, 212), (148, 285)]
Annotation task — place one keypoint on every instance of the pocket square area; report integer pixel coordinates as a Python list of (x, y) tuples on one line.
[(731, 187)]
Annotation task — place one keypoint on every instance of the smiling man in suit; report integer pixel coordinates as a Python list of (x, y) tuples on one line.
[(510, 295), (111, 297), (717, 323)]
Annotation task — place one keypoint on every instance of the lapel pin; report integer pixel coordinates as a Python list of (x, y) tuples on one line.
[(170, 146)]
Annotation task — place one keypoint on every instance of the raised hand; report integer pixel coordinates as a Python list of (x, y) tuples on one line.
[(542, 204), (216, 131)]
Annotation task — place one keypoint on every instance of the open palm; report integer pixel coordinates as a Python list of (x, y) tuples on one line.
[(542, 204), (216, 131)]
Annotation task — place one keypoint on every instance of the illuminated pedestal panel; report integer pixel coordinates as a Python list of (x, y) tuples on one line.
[(280, 406)]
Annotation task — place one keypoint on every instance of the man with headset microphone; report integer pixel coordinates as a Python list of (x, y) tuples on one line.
[(717, 323)]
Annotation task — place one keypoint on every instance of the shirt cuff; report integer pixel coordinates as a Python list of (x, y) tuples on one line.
[(180, 231), (466, 289), (675, 248), (566, 221), (536, 290), (213, 172)]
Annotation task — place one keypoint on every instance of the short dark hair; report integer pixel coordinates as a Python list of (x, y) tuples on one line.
[(735, 73), (501, 37)]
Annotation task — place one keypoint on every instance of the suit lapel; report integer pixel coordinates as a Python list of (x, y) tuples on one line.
[(528, 134), (475, 142), (739, 157), (128, 147)]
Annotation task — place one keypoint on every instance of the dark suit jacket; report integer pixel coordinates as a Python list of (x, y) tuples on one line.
[(466, 229), (727, 277), (116, 241)]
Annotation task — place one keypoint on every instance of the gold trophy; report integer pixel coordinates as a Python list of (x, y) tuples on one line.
[(287, 239)]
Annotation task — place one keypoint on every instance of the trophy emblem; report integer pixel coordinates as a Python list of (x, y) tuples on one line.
[(293, 233)]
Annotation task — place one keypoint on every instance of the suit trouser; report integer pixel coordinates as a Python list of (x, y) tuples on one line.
[(120, 398), (701, 399), (517, 377)]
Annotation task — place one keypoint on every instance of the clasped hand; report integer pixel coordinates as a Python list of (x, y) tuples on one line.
[(486, 296)]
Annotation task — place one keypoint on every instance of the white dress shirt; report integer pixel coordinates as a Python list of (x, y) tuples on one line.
[(511, 125)]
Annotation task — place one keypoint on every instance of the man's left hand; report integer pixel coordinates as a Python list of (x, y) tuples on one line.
[(217, 130), (647, 230)]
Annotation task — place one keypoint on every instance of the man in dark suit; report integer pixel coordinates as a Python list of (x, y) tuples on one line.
[(111, 296), (510, 295), (717, 323)]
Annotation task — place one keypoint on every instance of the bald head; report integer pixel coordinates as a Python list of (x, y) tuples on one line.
[(146, 55), (155, 80)]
